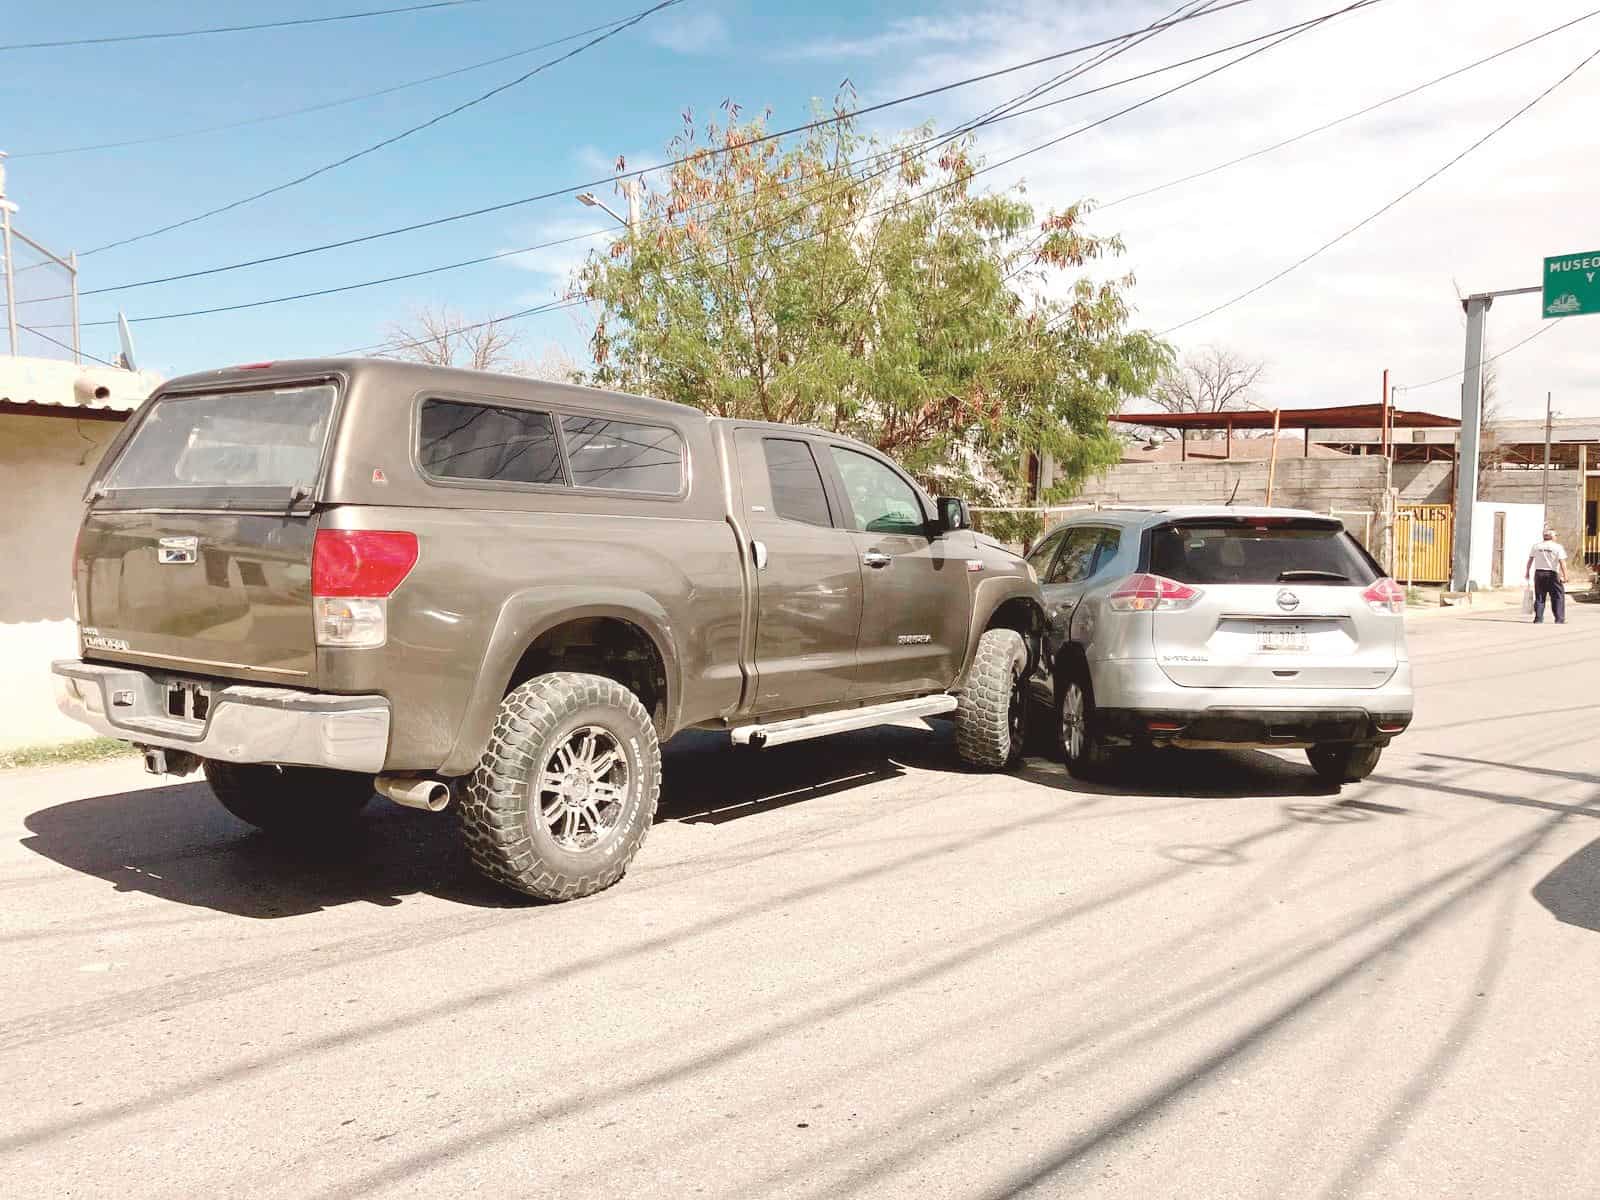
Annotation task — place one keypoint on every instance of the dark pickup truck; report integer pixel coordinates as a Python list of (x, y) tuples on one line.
[(316, 579)]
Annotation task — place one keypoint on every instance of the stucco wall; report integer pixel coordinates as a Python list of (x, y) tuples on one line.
[(1526, 487), (44, 463), (1523, 529)]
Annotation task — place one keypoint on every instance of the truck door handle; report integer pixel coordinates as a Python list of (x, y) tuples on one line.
[(759, 549), (876, 558)]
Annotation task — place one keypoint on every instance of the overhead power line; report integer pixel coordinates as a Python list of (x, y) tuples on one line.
[(709, 152), (39, 333), (391, 140), (892, 156), (1540, 332), (906, 201), (265, 118), (185, 33), (1351, 116), (1371, 217)]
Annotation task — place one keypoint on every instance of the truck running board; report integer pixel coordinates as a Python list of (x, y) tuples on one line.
[(822, 724)]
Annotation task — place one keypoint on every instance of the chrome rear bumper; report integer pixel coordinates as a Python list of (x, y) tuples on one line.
[(245, 723)]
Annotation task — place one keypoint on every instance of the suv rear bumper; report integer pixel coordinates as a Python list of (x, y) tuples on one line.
[(1251, 727), (244, 723), (1136, 701)]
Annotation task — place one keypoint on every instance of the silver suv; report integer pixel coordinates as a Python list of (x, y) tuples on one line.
[(1210, 627)]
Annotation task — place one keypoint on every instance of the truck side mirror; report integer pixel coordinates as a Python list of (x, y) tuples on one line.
[(953, 514)]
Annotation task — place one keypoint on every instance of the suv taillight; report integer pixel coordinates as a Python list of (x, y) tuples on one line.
[(1386, 596), (353, 572), (1147, 593)]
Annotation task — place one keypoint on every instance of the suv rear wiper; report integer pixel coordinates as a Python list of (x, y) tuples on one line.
[(1331, 576)]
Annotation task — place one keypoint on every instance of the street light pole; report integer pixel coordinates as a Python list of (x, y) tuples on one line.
[(630, 189)]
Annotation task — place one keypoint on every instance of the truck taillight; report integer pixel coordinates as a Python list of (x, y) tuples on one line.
[(1149, 593), (353, 572), (1385, 596)]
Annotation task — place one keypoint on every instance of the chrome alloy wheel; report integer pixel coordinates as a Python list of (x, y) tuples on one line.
[(1073, 731), (583, 787)]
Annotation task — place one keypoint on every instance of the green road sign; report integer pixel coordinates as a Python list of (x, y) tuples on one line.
[(1572, 284)]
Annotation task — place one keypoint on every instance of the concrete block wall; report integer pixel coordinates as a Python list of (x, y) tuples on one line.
[(1346, 485), (1425, 483)]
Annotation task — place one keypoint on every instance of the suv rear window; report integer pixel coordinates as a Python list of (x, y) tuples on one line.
[(1244, 553), (260, 443)]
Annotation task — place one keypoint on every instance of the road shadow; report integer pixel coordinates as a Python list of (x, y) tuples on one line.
[(1571, 892), (1211, 774), (175, 842)]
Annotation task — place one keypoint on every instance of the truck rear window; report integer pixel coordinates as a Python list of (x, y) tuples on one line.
[(1242, 553), (228, 442)]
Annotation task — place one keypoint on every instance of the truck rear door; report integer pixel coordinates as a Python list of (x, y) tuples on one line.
[(195, 553)]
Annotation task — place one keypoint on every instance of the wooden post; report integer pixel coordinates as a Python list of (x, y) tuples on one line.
[(1183, 444), (1272, 465), (1307, 452), (1227, 448), (1383, 416)]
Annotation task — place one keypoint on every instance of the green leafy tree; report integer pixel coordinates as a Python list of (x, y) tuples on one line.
[(873, 290)]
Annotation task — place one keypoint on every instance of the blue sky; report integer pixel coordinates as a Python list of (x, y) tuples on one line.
[(1383, 298)]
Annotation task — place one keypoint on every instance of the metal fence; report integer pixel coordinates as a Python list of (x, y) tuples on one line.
[(40, 298)]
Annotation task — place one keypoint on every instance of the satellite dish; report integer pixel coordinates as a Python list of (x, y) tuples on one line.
[(125, 335)]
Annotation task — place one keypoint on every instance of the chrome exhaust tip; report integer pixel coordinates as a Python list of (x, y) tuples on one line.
[(430, 795)]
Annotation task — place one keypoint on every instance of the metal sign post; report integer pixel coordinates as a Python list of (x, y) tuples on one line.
[(1569, 287)]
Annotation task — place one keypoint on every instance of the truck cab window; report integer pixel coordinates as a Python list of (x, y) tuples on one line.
[(880, 501), (797, 491)]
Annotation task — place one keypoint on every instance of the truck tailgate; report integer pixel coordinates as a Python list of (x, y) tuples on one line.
[(225, 594)]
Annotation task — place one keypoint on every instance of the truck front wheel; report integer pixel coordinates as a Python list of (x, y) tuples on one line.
[(294, 801), (992, 705), (566, 791)]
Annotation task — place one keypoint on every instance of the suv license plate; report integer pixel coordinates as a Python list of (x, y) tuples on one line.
[(1282, 637)]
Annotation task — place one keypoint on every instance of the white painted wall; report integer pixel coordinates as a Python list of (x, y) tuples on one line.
[(1524, 527), (44, 464)]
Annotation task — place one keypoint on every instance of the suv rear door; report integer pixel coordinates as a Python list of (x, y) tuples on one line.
[(195, 552), (1280, 604)]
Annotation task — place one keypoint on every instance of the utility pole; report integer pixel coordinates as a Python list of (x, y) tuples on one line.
[(6, 209), (1544, 496)]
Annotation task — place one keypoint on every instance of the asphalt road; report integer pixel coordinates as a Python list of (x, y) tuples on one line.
[(850, 968)]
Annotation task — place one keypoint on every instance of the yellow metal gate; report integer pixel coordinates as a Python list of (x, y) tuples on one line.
[(1591, 521), (1423, 533)]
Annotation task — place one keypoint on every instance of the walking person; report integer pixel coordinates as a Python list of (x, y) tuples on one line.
[(1547, 566)]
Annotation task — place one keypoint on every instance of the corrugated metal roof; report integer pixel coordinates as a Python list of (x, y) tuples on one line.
[(49, 383), (1343, 416)]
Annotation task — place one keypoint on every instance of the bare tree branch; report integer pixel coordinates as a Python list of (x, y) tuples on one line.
[(1211, 380), (444, 338)]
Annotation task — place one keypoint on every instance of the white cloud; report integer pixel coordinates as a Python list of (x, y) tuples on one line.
[(690, 31), (900, 36), (556, 264), (1385, 296)]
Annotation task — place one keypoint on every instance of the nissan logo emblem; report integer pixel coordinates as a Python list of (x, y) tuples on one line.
[(1288, 601)]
